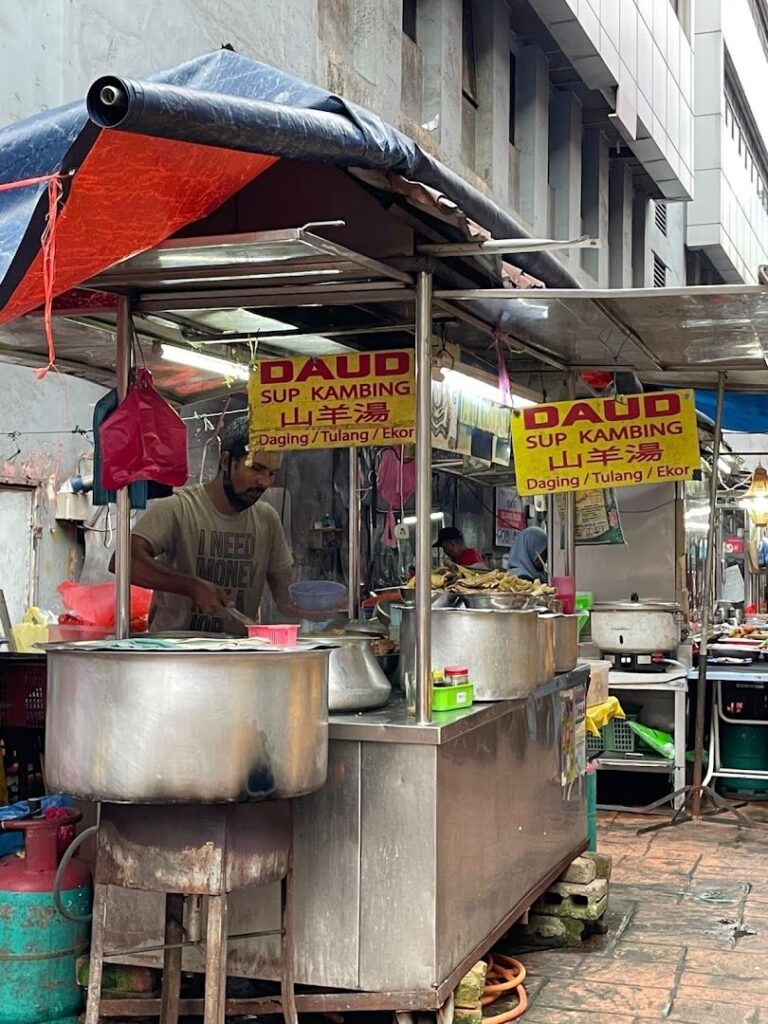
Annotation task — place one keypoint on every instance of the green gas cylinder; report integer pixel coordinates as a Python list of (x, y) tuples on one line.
[(38, 946)]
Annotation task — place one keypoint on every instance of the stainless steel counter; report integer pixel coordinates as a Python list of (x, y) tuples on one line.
[(415, 853), (391, 724)]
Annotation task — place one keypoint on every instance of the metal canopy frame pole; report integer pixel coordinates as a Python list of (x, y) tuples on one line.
[(123, 525), (709, 597), (569, 512), (354, 537), (423, 496)]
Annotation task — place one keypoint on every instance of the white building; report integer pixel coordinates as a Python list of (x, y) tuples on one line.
[(727, 231)]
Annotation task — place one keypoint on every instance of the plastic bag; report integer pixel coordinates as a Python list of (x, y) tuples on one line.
[(94, 604), (31, 631), (143, 439), (656, 739), (599, 715)]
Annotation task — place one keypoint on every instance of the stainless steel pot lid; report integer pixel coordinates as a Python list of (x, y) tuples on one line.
[(637, 606)]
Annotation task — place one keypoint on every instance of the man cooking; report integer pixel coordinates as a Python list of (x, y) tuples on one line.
[(451, 541), (211, 547)]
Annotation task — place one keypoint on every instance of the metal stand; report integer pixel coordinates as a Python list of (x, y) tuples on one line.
[(187, 851), (698, 788)]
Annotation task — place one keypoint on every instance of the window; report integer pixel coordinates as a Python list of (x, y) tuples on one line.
[(512, 96), (661, 217), (468, 52), (409, 18), (659, 272)]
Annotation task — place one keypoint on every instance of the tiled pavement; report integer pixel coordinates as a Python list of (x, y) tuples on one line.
[(688, 937)]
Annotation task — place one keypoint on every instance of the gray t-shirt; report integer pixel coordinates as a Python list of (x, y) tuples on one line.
[(236, 552)]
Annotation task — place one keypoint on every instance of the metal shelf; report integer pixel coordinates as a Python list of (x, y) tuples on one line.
[(640, 764)]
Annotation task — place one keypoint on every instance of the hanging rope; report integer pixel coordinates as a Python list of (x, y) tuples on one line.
[(48, 250)]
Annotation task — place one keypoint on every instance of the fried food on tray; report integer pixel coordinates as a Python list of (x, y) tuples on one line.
[(460, 580)]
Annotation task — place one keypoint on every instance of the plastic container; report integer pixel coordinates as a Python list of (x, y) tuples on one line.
[(281, 636), (582, 605), (450, 698), (566, 592), (744, 746), (317, 595)]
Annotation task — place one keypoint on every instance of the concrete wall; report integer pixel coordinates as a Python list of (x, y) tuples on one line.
[(44, 462)]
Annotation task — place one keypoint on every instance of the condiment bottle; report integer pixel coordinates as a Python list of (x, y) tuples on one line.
[(437, 677), (456, 675)]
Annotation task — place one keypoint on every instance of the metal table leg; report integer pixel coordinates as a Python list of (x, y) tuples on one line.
[(288, 997), (96, 959), (174, 935), (681, 696)]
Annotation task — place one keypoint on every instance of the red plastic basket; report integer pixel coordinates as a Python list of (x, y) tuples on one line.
[(22, 695)]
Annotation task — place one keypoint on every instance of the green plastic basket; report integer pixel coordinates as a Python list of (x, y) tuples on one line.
[(615, 738), (450, 698)]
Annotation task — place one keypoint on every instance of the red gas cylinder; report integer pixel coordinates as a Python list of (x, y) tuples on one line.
[(38, 945)]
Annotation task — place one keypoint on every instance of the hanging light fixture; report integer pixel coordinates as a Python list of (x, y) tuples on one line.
[(755, 501)]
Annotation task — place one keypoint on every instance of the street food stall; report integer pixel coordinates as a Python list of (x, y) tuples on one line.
[(388, 855), (396, 843)]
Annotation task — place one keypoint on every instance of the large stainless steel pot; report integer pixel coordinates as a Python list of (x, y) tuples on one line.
[(186, 726), (636, 627), (566, 642), (498, 647), (356, 680)]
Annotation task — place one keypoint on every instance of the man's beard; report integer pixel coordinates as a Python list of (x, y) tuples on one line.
[(239, 502)]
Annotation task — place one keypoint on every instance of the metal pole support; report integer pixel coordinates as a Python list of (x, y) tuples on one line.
[(709, 564), (569, 513), (423, 496), (123, 526), (354, 536)]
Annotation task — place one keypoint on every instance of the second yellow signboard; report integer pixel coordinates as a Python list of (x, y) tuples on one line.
[(605, 442)]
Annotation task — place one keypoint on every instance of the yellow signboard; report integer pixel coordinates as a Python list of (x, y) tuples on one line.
[(605, 442), (345, 401)]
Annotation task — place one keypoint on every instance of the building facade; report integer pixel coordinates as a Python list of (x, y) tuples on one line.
[(574, 115)]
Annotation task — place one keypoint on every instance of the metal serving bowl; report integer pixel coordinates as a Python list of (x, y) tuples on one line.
[(440, 598), (499, 601)]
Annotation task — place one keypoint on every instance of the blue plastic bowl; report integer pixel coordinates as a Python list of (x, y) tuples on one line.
[(317, 595)]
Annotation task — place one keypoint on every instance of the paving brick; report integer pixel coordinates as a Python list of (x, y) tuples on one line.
[(582, 871), (570, 910), (716, 1011), (733, 966), (588, 997)]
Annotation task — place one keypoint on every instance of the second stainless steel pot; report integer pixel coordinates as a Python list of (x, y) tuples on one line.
[(356, 680), (498, 647)]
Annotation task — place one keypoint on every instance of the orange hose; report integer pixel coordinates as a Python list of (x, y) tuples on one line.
[(503, 975)]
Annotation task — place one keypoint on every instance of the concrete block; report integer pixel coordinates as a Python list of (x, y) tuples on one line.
[(546, 930), (582, 871), (603, 863), (571, 907)]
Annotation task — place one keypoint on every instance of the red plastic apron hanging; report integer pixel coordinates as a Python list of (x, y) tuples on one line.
[(143, 439)]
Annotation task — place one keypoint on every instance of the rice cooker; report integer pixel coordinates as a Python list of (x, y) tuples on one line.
[(636, 627)]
